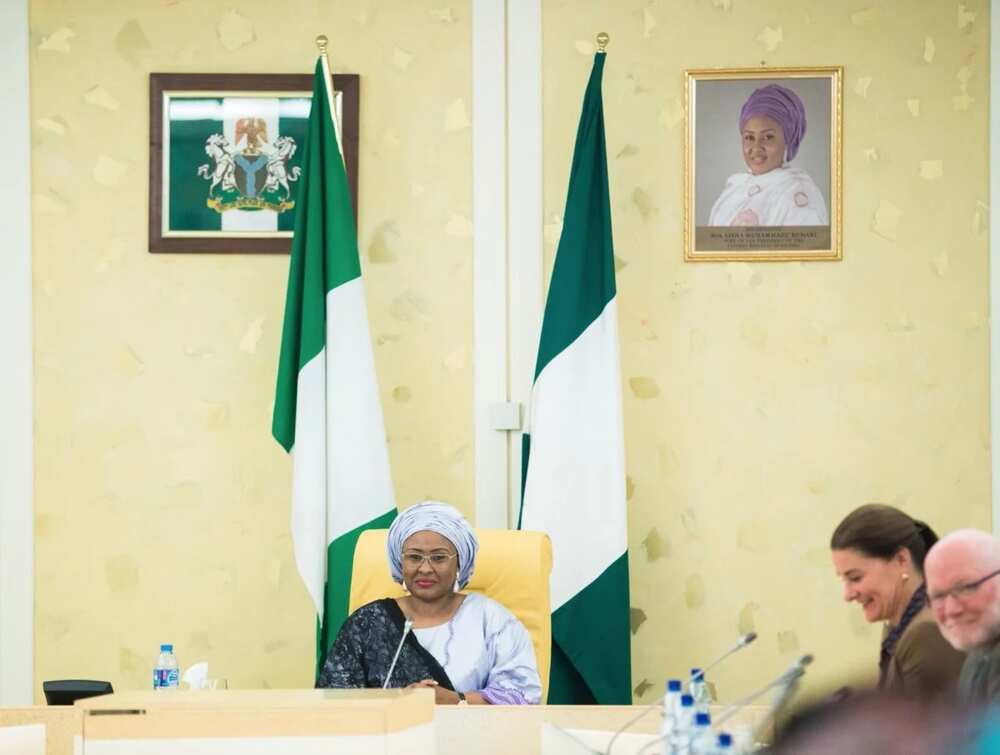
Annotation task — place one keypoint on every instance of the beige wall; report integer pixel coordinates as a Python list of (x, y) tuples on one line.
[(762, 402), (162, 501)]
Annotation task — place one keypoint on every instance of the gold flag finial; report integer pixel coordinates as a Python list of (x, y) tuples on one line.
[(602, 41), (321, 43)]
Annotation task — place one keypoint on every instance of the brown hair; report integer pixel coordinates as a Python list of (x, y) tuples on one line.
[(879, 531)]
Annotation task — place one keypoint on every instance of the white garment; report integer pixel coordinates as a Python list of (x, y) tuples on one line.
[(484, 648), (781, 197)]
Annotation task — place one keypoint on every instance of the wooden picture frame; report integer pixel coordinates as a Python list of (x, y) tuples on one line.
[(753, 192), (252, 126)]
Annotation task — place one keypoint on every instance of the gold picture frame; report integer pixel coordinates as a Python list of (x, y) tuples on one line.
[(751, 192)]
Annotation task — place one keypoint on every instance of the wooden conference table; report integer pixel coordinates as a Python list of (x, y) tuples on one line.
[(312, 721)]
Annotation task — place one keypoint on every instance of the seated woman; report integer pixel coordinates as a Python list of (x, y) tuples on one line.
[(878, 552), (770, 192), (469, 648)]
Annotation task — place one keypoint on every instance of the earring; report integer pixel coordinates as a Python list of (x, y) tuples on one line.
[(905, 576), (455, 587)]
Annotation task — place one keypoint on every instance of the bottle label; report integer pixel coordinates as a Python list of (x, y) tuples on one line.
[(165, 678)]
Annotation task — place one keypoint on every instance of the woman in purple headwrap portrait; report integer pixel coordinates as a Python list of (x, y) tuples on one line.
[(465, 646), (771, 192)]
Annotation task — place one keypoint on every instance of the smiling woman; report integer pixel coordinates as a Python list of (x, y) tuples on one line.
[(467, 647), (878, 552), (772, 193)]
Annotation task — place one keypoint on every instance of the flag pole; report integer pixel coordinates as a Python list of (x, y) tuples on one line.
[(321, 44), (602, 42)]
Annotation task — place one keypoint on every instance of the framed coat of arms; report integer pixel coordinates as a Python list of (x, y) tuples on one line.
[(225, 156)]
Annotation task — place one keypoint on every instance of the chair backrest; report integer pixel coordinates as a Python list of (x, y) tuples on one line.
[(512, 568)]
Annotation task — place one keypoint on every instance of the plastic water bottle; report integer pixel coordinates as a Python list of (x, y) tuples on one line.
[(698, 687), (671, 705), (166, 672), (681, 740), (702, 739)]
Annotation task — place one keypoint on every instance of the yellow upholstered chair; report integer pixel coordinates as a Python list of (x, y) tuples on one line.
[(512, 568)]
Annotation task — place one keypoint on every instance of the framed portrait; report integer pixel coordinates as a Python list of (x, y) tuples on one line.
[(763, 164), (225, 156)]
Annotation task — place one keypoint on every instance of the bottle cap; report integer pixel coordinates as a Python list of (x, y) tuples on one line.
[(725, 740), (674, 685), (702, 719), (166, 648), (687, 701), (696, 675)]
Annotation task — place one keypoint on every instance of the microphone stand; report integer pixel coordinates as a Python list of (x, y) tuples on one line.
[(790, 688), (407, 626), (740, 644), (789, 679), (743, 642)]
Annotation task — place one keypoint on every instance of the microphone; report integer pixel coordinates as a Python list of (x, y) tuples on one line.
[(407, 626), (788, 679), (788, 688), (741, 643)]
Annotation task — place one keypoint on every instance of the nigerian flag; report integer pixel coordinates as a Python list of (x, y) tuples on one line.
[(575, 479), (327, 412)]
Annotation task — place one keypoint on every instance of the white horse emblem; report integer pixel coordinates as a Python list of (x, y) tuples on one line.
[(233, 176), (223, 174), (278, 174)]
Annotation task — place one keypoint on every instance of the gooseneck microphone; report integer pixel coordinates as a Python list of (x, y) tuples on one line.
[(787, 688), (741, 643), (787, 681), (407, 626)]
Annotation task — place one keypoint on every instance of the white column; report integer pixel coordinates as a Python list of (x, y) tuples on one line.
[(995, 257), (507, 216), (16, 532), (489, 219), (524, 191)]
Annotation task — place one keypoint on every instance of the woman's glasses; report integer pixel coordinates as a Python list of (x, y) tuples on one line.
[(959, 592), (436, 560)]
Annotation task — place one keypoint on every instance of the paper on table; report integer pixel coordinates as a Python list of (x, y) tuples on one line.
[(23, 740)]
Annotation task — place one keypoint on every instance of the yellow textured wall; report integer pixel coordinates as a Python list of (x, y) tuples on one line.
[(762, 402), (161, 500)]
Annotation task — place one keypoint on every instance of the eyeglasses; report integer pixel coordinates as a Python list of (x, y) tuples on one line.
[(960, 592), (415, 559)]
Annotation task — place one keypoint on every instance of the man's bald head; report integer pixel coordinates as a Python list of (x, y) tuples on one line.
[(971, 546), (964, 595)]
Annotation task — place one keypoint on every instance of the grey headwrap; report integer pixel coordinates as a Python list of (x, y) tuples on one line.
[(437, 517)]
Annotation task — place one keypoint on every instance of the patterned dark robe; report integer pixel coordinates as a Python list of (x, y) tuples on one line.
[(363, 652)]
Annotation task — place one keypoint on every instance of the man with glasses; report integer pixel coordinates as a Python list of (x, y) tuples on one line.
[(963, 589)]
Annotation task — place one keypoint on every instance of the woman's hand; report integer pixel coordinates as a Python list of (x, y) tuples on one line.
[(423, 683), (444, 696)]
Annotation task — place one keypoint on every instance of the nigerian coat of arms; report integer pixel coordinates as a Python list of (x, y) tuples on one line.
[(255, 178)]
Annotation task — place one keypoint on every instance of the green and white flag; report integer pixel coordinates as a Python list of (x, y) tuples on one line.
[(233, 162), (575, 479), (327, 412)]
